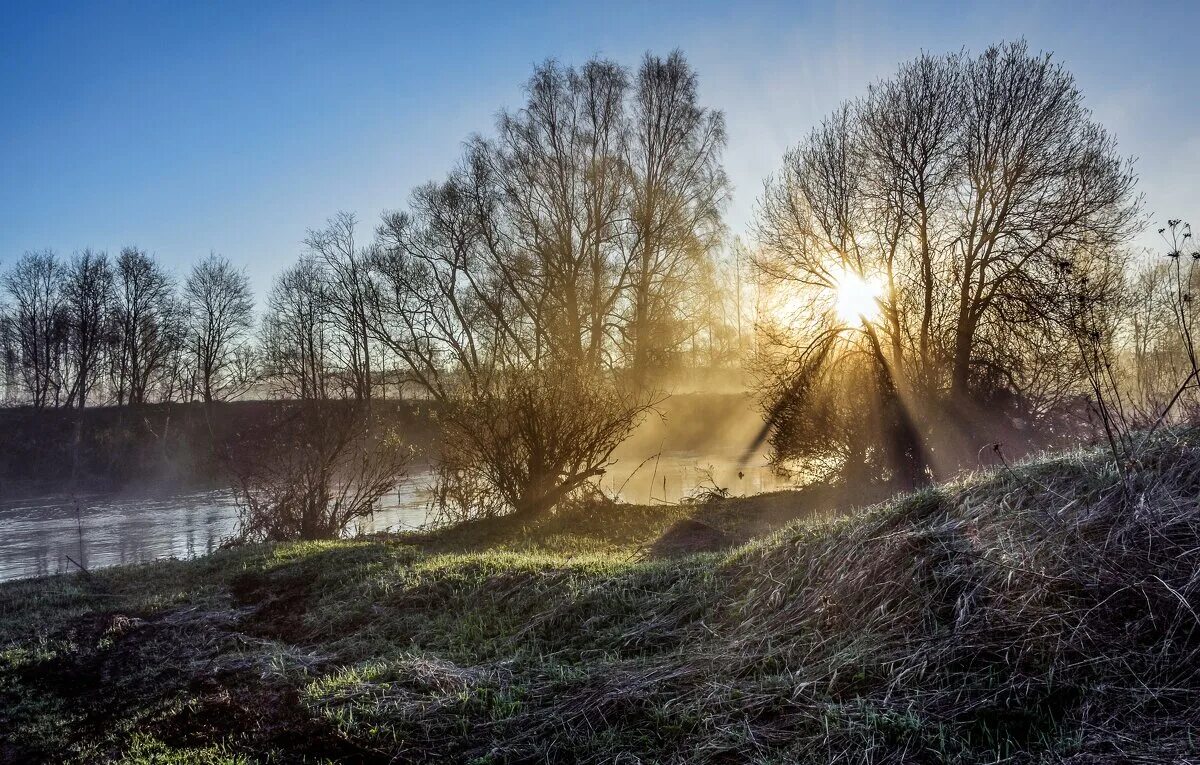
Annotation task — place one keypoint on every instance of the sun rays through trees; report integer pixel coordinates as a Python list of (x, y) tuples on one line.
[(980, 196), (940, 265), (537, 290)]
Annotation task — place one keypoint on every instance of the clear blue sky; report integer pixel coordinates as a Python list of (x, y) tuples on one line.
[(188, 127)]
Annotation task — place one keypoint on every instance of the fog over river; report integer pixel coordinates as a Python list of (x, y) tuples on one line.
[(45, 535)]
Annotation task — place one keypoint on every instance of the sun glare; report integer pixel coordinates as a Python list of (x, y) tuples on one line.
[(857, 298)]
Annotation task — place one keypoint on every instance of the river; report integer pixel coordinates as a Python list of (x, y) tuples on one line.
[(56, 534)]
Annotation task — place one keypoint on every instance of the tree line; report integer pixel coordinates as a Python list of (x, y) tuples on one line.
[(542, 293), (94, 329), (538, 295)]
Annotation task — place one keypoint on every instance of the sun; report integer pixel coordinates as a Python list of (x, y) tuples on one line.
[(857, 299)]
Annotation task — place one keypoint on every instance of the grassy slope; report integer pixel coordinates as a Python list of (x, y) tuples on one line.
[(1038, 615)]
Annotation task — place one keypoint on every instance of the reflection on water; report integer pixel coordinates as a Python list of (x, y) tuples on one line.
[(49, 534)]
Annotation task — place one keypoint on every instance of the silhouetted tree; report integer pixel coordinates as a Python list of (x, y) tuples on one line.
[(530, 412), (975, 190), (532, 293), (220, 314), (88, 298), (149, 330), (38, 326), (345, 278), (296, 333)]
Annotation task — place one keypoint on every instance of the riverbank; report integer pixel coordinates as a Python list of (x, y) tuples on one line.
[(1043, 613)]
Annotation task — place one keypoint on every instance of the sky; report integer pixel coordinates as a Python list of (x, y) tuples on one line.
[(190, 127)]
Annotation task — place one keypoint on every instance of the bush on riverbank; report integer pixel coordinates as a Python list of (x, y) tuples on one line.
[(1046, 613)]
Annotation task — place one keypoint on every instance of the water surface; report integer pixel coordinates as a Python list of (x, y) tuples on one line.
[(56, 534)]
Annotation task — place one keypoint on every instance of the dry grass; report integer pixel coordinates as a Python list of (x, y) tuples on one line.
[(1042, 614)]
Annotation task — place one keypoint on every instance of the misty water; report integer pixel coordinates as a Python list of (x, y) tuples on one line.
[(53, 534)]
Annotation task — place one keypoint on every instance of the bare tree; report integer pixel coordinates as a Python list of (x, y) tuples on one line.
[(88, 297), (527, 421), (678, 187), (1156, 357), (38, 325), (973, 191), (554, 261), (296, 334), (148, 327), (8, 360), (1040, 177), (1158, 331), (346, 279), (220, 313), (550, 196)]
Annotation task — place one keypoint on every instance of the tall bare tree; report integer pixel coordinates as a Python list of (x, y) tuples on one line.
[(38, 325), (88, 297), (550, 194), (523, 291), (677, 189), (148, 327), (220, 313), (1040, 179), (504, 289), (346, 279), (296, 333)]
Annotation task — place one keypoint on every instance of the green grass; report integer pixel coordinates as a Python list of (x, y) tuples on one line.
[(1029, 615)]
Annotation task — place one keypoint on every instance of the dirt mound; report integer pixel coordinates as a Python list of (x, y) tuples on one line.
[(688, 536)]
